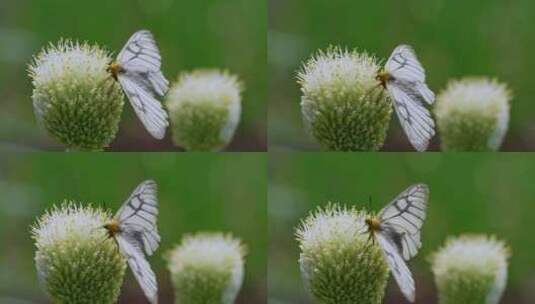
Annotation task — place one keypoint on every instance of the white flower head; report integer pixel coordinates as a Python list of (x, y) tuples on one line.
[(471, 268), (338, 263), (333, 223), (473, 113), (207, 268), (74, 97), (69, 222), (74, 252), (205, 108), (342, 106), (338, 72), (69, 59)]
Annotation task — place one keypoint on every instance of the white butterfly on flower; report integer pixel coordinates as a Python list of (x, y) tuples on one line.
[(397, 230), (404, 78), (135, 231), (137, 69)]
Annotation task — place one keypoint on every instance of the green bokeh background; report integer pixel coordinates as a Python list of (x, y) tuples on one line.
[(452, 38), (477, 193), (227, 34), (197, 192)]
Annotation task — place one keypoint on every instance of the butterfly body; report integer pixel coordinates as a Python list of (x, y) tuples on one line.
[(384, 77), (115, 69), (112, 227), (373, 223)]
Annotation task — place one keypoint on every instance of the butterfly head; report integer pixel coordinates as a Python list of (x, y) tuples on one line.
[(112, 227), (383, 77), (115, 69)]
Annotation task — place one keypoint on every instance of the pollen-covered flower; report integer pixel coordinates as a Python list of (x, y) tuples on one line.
[(204, 108), (473, 114), (74, 97), (471, 269), (76, 262), (207, 268), (342, 106), (339, 263)]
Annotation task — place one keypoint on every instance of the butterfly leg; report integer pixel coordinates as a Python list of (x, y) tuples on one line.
[(370, 91), (103, 239)]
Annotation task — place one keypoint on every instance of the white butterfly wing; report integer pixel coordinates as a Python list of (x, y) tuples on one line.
[(140, 267), (142, 80), (140, 53), (148, 109), (414, 118), (397, 265), (402, 219), (138, 216), (404, 64), (141, 56)]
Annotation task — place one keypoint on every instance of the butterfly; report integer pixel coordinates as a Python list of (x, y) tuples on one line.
[(134, 229), (397, 231), (137, 69), (404, 78)]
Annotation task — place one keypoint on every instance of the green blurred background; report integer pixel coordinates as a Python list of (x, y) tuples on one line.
[(452, 38), (478, 193), (197, 192), (227, 34)]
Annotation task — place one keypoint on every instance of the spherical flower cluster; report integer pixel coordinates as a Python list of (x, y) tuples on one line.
[(75, 260), (473, 114), (204, 109), (471, 269), (343, 107), (207, 268), (338, 262), (74, 97)]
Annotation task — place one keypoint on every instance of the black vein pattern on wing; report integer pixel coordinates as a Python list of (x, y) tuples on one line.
[(412, 112), (404, 62), (138, 209), (406, 211), (142, 51), (422, 113)]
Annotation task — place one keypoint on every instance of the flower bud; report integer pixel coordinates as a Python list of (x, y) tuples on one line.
[(204, 109), (207, 268), (473, 114), (471, 269)]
